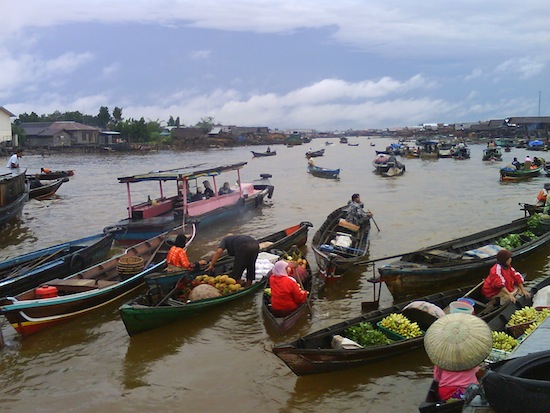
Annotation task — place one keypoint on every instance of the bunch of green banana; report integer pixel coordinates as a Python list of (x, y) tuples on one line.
[(503, 341), (542, 315), (523, 315), (401, 325)]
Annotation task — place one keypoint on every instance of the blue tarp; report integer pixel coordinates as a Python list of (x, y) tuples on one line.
[(536, 143)]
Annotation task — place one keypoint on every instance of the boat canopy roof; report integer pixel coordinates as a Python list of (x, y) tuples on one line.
[(183, 173)]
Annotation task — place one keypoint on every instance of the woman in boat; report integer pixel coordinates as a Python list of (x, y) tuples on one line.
[(208, 191), (225, 189), (542, 196), (177, 257), (286, 294), (356, 214), (503, 280), (452, 384)]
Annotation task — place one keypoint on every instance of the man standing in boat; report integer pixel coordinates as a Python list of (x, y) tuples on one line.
[(356, 214), (13, 162), (245, 249)]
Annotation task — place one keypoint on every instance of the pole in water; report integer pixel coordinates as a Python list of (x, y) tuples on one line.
[(375, 224)]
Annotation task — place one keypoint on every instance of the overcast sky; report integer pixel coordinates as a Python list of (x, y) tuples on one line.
[(321, 64)]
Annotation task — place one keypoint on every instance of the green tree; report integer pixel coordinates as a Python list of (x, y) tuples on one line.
[(205, 123), (177, 124), (117, 115), (103, 117), (171, 121)]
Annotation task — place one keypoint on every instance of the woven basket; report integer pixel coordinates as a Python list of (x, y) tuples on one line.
[(130, 265), (517, 330)]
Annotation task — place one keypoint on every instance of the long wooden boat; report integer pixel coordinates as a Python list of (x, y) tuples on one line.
[(315, 154), (163, 213), (62, 299), (324, 172), (333, 258), (432, 404), (28, 271), (155, 309), (263, 154), (523, 172), (314, 354), (283, 324), (519, 385), (277, 242), (52, 175), (459, 260), (41, 191), (14, 192)]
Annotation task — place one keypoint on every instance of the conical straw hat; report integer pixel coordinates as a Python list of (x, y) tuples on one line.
[(458, 342)]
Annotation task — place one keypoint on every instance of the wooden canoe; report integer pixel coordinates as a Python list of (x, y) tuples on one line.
[(313, 353), (29, 270), (83, 291), (283, 324), (324, 172), (47, 190), (154, 309), (263, 154), (457, 261), (512, 174), (333, 260)]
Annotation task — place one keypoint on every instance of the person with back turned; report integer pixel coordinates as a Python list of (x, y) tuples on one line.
[(245, 249)]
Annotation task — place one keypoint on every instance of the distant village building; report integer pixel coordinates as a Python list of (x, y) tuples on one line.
[(60, 134), (5, 125)]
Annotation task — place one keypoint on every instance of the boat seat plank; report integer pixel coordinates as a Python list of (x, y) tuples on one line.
[(444, 254), (79, 284)]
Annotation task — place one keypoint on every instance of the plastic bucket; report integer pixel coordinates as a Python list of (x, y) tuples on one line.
[(467, 300), (461, 307)]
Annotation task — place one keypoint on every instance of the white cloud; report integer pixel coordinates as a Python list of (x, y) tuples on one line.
[(200, 54)]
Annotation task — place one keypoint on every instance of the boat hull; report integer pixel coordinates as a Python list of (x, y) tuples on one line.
[(332, 263), (47, 190), (447, 263), (313, 354), (29, 271), (138, 317), (14, 193)]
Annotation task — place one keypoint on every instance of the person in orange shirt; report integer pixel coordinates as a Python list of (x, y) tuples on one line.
[(177, 257), (286, 294)]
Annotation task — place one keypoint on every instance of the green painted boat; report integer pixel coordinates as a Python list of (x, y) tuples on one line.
[(153, 310)]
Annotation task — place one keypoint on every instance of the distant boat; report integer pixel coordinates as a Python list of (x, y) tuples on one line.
[(262, 154), (314, 154), (41, 191), (323, 172)]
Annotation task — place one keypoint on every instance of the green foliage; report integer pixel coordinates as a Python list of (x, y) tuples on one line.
[(510, 242), (534, 221), (365, 335)]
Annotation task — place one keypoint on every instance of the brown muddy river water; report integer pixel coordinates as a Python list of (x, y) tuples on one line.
[(221, 361)]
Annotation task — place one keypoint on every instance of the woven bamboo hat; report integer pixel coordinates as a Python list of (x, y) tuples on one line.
[(458, 342)]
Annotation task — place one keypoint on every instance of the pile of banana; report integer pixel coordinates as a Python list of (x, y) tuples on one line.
[(542, 315), (401, 325), (503, 341), (523, 315)]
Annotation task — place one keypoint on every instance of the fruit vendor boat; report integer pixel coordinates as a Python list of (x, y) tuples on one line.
[(155, 308), (432, 404), (46, 175), (388, 165), (316, 353), (283, 324), (338, 244), (461, 260), (29, 270), (492, 154), (61, 299), (278, 242), (163, 213)]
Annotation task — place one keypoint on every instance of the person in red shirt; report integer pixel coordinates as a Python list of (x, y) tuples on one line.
[(177, 257), (286, 294), (503, 280)]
